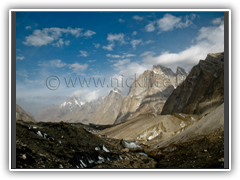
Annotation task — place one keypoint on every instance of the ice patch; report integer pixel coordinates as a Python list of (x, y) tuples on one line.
[(143, 154), (39, 133), (83, 163), (193, 119), (90, 161), (100, 157), (105, 149), (97, 148), (44, 135)]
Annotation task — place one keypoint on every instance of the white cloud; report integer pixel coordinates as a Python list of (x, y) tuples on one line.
[(119, 56), (111, 61), (92, 61), (148, 53), (67, 42), (59, 43), (116, 37), (150, 27), (217, 21), (121, 20), (31, 81), (114, 56), (54, 63), (134, 33), (169, 22), (38, 38), (135, 42), (136, 17), (209, 40), (109, 47), (83, 53), (28, 27), (130, 55), (87, 95), (89, 33), (20, 57), (120, 64), (57, 63), (43, 64), (77, 68), (96, 45), (50, 35), (149, 41), (22, 73)]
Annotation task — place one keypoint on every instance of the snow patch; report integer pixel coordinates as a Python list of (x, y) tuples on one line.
[(130, 145), (115, 91), (182, 124), (182, 115)]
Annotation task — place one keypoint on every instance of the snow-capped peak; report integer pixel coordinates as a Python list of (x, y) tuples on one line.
[(117, 90), (72, 102)]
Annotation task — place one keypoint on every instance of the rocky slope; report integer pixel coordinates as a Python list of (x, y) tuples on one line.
[(108, 110), (65, 145), (203, 140), (149, 92), (203, 89), (82, 114), (23, 115), (147, 127), (210, 123), (55, 113)]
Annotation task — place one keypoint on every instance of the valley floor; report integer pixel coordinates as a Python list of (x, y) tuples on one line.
[(64, 145)]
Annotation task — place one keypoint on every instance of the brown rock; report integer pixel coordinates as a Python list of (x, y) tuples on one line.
[(203, 89)]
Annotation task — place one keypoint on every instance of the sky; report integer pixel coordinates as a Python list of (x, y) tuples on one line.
[(53, 48)]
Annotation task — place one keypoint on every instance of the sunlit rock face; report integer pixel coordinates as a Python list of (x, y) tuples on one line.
[(149, 92)]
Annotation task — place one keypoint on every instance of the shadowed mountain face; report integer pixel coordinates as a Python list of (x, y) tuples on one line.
[(203, 89), (149, 92), (23, 115)]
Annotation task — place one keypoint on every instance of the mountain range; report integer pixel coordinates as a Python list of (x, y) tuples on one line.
[(155, 92)]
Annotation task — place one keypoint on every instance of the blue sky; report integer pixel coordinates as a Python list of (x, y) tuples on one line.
[(104, 45)]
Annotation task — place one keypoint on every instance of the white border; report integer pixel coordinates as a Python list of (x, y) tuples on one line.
[(119, 10)]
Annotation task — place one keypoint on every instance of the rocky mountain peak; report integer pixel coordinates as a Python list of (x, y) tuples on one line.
[(159, 69), (203, 89), (117, 90), (181, 71)]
